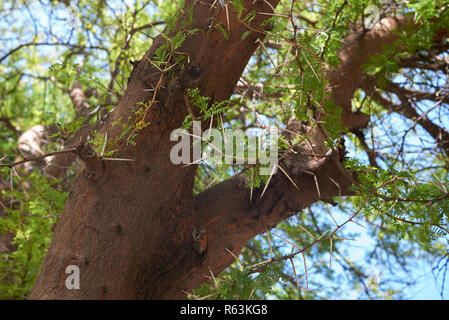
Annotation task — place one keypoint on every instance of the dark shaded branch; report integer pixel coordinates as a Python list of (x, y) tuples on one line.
[(406, 109), (16, 163), (370, 152), (37, 44), (7, 122)]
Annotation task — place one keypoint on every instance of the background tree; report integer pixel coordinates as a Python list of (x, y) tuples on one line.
[(91, 91)]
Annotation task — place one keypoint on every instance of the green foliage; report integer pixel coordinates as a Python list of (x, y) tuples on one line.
[(237, 5), (255, 179), (100, 143), (125, 128), (29, 219), (245, 34), (404, 203), (412, 209), (163, 53), (222, 30), (65, 129), (431, 17), (208, 110), (242, 284), (75, 125), (425, 9)]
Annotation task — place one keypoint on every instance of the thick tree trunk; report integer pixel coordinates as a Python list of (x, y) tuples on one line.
[(128, 225), (134, 229)]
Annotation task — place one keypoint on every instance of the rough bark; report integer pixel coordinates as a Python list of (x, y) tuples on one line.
[(134, 228)]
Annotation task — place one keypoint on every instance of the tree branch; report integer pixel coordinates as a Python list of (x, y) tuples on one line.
[(16, 163), (36, 44)]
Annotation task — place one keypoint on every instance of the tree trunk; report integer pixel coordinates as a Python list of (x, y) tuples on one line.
[(128, 225), (134, 229)]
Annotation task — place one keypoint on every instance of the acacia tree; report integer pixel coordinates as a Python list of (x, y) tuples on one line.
[(140, 227)]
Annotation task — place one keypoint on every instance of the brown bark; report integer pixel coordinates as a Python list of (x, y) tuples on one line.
[(6, 238), (128, 226), (134, 228)]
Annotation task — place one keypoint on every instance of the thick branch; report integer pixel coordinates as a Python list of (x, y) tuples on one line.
[(229, 220)]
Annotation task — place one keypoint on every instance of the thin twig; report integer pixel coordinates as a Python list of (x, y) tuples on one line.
[(13, 164)]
